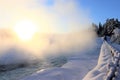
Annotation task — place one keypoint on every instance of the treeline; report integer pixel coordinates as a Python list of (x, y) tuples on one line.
[(107, 28)]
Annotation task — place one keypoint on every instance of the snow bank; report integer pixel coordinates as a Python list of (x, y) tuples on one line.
[(100, 70), (106, 68)]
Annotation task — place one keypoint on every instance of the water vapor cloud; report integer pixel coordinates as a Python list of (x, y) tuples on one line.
[(63, 27)]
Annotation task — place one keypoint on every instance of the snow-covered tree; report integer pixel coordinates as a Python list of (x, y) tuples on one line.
[(116, 36)]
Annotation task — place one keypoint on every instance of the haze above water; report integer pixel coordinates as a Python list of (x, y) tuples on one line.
[(62, 28)]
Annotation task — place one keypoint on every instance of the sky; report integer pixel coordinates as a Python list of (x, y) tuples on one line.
[(100, 10), (57, 15), (51, 16)]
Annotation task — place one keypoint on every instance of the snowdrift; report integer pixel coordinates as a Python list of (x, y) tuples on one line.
[(108, 64)]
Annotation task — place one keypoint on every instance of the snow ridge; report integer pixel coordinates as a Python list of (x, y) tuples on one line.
[(114, 66), (108, 67)]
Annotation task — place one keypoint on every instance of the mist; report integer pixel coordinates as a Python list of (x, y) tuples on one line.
[(63, 28)]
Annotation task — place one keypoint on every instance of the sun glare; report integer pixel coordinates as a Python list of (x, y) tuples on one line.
[(25, 29)]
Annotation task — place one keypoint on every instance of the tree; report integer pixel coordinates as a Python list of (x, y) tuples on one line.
[(107, 28)]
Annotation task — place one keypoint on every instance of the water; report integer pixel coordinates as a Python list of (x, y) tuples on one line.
[(19, 73)]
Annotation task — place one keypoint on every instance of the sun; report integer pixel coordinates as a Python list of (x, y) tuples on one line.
[(25, 29)]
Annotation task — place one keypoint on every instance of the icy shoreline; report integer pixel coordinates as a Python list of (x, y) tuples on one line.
[(81, 68), (75, 69)]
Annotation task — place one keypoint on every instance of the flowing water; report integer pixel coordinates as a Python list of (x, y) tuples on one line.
[(19, 73)]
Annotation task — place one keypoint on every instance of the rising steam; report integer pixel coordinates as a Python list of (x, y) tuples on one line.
[(63, 28)]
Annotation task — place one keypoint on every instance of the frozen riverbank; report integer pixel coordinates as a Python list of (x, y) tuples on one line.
[(75, 69)]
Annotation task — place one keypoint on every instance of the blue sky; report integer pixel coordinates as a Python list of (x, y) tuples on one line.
[(100, 10)]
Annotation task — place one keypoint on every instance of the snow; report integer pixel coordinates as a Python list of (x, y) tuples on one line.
[(79, 67), (116, 31), (75, 69), (94, 63), (107, 64), (100, 70), (116, 36)]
